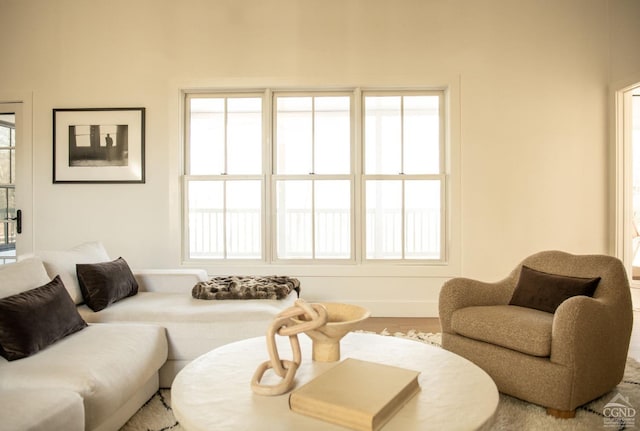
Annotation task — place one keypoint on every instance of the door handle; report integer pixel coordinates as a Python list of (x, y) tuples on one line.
[(18, 220)]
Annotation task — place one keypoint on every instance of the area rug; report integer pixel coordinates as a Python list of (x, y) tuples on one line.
[(512, 414)]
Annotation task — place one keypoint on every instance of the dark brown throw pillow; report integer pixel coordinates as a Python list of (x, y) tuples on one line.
[(102, 284), (544, 291), (36, 318)]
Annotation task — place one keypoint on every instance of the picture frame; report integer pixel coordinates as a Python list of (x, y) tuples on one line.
[(99, 145)]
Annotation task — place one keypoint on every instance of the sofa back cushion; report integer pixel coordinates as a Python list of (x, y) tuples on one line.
[(23, 275), (36, 318), (63, 263)]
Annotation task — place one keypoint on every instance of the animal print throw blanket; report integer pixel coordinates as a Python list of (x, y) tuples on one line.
[(246, 287)]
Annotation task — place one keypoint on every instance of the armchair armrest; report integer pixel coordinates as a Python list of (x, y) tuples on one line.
[(465, 292), (168, 280), (589, 333)]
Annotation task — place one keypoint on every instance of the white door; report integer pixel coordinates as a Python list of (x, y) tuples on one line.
[(16, 182)]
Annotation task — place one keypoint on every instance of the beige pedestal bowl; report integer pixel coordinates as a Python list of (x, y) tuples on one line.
[(341, 319)]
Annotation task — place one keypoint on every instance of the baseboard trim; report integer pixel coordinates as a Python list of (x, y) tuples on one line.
[(399, 308)]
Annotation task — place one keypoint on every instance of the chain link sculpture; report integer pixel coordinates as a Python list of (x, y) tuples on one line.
[(314, 316)]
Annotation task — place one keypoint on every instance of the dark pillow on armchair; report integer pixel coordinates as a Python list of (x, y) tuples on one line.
[(544, 291), (102, 284), (36, 318)]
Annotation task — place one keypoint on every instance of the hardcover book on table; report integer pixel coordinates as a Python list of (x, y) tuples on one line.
[(356, 394)]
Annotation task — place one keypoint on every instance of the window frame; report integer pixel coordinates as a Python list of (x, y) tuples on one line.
[(449, 177), (275, 177), (441, 176), (223, 177)]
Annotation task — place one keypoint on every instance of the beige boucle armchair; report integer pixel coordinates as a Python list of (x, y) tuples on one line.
[(557, 360)]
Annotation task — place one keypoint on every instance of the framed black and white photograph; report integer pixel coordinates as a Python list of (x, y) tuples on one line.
[(98, 145)]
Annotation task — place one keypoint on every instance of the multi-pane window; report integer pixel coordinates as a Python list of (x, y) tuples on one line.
[(313, 181), (403, 176), (283, 176), (225, 184)]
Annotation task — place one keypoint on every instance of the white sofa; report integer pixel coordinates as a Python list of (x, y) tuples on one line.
[(98, 377), (194, 326)]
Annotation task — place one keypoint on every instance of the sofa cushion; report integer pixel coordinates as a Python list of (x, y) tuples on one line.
[(41, 410), (105, 283), (194, 326), (105, 364), (35, 319), (23, 275), (522, 329), (545, 292), (63, 263)]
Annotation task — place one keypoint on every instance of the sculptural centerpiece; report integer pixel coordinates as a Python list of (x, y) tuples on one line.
[(341, 319), (325, 323)]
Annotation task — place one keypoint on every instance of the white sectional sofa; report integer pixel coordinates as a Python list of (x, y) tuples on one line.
[(194, 326), (98, 376)]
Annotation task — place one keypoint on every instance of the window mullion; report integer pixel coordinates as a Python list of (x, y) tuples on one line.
[(225, 250), (268, 195), (313, 218), (357, 189), (313, 184), (444, 186), (187, 141), (442, 135), (403, 216), (313, 135), (401, 134), (226, 135)]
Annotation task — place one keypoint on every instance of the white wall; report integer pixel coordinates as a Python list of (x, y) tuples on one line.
[(532, 80)]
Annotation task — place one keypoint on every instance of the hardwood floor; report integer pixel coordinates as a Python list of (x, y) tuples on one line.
[(432, 324), (401, 324)]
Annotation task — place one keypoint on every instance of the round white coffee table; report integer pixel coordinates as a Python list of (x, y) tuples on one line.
[(213, 392)]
